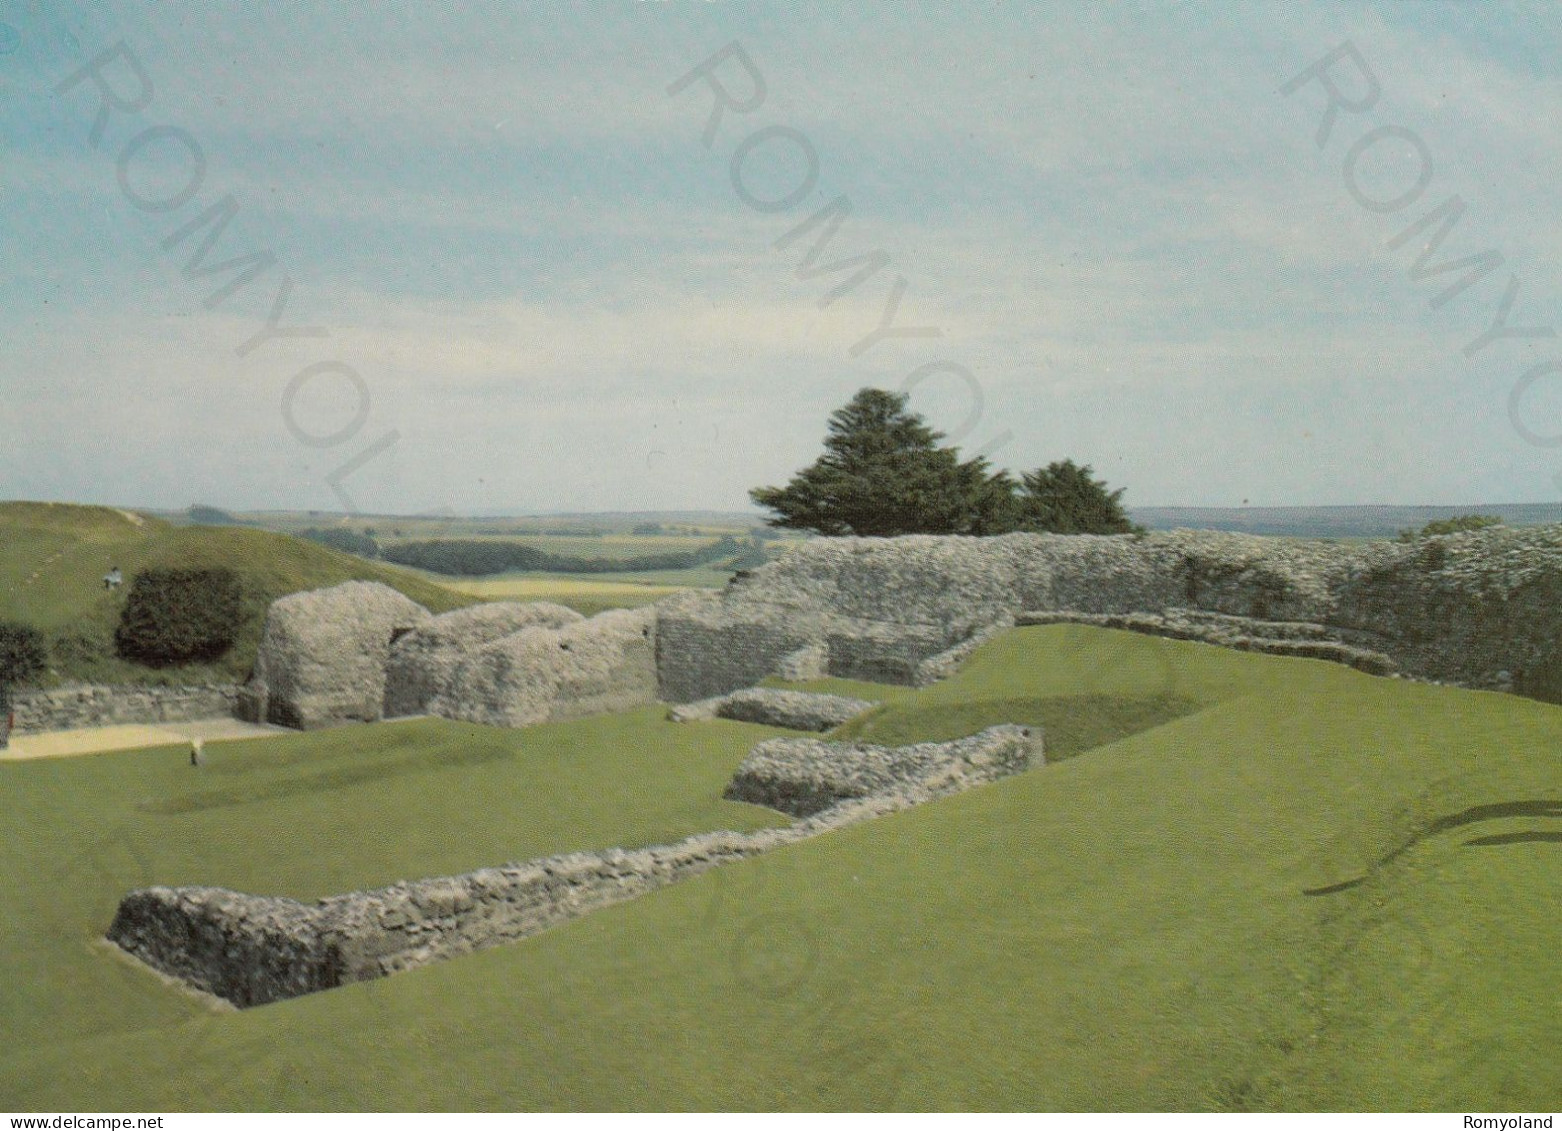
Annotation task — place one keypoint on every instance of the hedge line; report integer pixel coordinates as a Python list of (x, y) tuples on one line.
[(475, 559)]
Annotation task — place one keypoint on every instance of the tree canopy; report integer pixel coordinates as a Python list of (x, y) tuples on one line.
[(1065, 498), (1456, 525), (883, 473)]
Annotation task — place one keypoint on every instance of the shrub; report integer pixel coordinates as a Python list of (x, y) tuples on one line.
[(22, 653), (180, 616), (1456, 525), (203, 515), (347, 541)]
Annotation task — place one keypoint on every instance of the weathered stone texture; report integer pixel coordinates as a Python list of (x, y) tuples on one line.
[(1465, 608), (246, 949), (812, 661), (1476, 608), (607, 663), (804, 776), (323, 655), (706, 645), (423, 663), (768, 706), (95, 705)]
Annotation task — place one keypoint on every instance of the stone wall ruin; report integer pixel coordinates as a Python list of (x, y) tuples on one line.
[(252, 950), (1479, 608)]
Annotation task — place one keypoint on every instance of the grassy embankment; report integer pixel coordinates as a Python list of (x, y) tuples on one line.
[(53, 558), (1253, 881)]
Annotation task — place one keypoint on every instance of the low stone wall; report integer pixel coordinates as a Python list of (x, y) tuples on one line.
[(805, 776), (1275, 638), (769, 706), (251, 950), (944, 664), (93, 705)]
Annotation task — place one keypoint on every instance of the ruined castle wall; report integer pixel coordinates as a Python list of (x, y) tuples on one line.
[(94, 705), (1482, 608), (541, 674), (705, 647), (246, 949), (882, 609), (251, 950), (1479, 609)]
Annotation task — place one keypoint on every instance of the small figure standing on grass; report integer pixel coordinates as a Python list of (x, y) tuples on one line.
[(197, 752), (113, 579)]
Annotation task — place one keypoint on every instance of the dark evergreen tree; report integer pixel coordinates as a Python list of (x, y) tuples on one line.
[(882, 474), (1065, 498)]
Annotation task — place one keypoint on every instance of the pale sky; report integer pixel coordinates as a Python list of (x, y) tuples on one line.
[(533, 287)]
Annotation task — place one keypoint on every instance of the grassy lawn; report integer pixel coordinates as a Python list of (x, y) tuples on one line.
[(1247, 882)]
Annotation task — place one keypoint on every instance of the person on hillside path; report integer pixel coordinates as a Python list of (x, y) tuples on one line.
[(197, 752)]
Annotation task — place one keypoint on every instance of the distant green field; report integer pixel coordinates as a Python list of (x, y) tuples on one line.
[(1249, 882), (604, 546), (53, 558), (585, 595), (556, 531)]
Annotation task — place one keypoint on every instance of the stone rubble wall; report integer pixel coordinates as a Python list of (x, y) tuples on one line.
[(323, 655), (899, 610), (805, 776), (707, 645), (944, 664), (246, 949), (95, 705), (424, 663), (587, 667), (1483, 608), (252, 950), (1479, 609), (768, 706), (1275, 638), (360, 652)]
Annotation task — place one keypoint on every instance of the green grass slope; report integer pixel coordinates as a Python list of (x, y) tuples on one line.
[(53, 557), (1256, 882)]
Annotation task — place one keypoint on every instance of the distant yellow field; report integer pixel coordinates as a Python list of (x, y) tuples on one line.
[(555, 588)]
